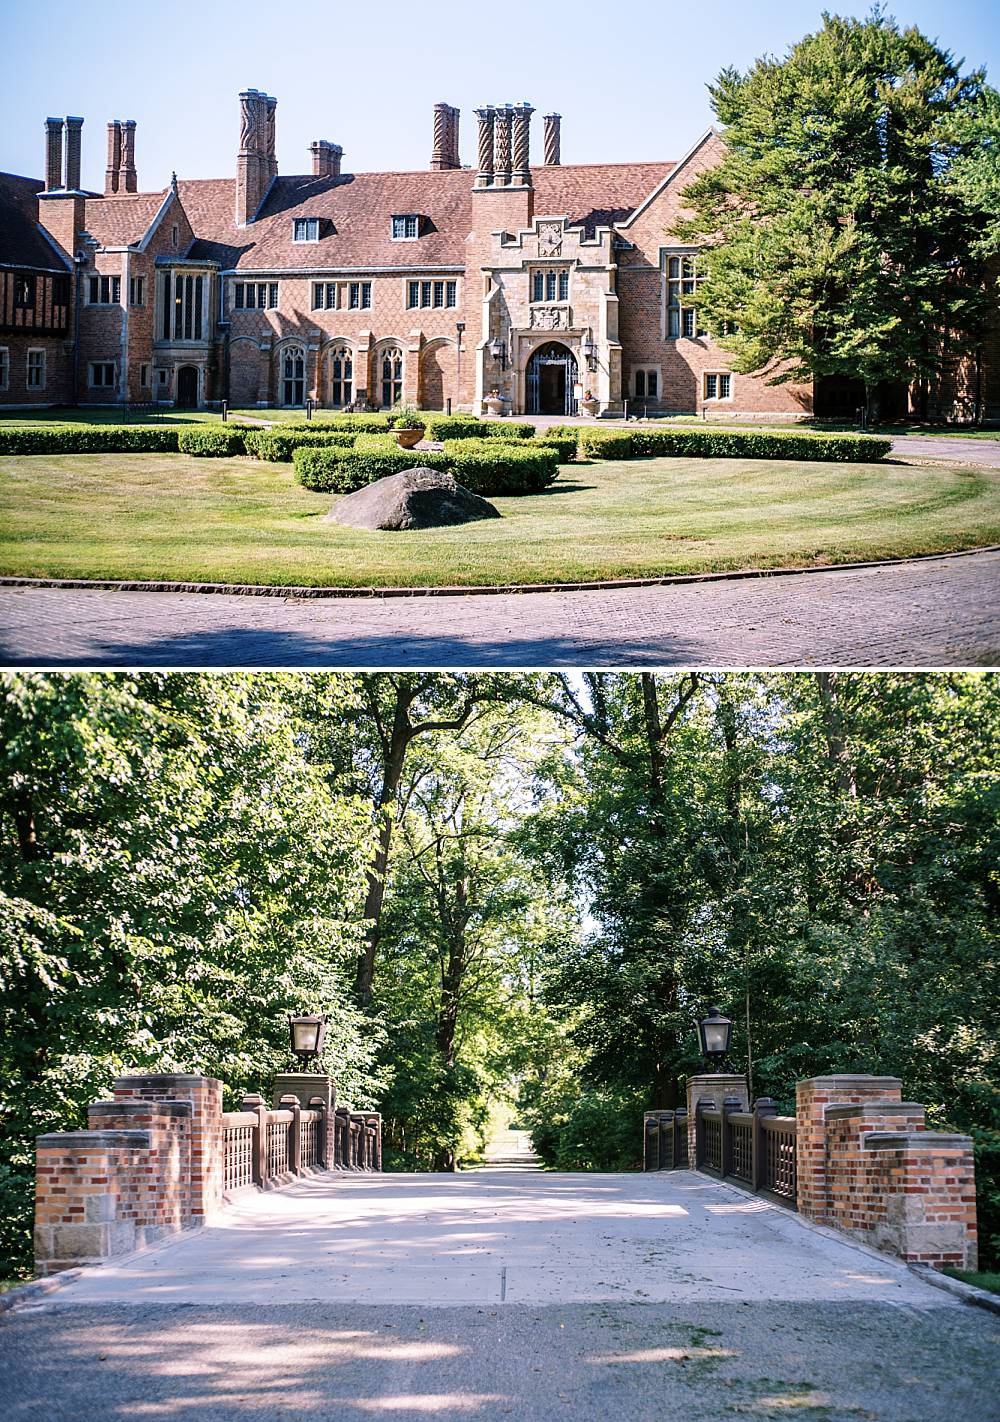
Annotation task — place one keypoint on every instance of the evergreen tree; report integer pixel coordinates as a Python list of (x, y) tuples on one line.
[(832, 242)]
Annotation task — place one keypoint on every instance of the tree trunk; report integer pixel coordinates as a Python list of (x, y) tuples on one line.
[(837, 754)]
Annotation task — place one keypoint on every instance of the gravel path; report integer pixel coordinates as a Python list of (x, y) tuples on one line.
[(643, 1297), (933, 612)]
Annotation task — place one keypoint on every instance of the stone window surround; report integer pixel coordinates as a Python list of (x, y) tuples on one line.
[(555, 274), (39, 366), (137, 291), (104, 366), (666, 253), (101, 283), (718, 376), (646, 370), (429, 286)]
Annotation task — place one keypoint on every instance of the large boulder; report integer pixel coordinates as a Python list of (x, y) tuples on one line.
[(417, 498)]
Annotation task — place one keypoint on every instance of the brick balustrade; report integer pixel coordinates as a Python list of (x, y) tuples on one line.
[(163, 1156), (854, 1157)]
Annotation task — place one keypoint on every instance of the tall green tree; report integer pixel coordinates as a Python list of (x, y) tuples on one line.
[(831, 241)]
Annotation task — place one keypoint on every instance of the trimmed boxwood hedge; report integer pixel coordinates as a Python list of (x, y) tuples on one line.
[(452, 427), (278, 445), (732, 444), (357, 423), (567, 447), (212, 441), (494, 469), (88, 439)]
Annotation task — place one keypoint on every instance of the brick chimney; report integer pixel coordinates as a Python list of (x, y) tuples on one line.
[(74, 143), (326, 158), (129, 177), (256, 163), (112, 173), (53, 153), (551, 138), (445, 153)]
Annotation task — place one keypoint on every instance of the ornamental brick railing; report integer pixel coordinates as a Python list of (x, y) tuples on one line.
[(854, 1157), (163, 1156)]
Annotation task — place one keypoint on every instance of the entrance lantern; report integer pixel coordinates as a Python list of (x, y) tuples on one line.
[(307, 1032), (716, 1034)]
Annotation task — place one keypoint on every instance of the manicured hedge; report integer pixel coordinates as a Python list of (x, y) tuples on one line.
[(453, 427), (278, 445), (357, 423), (732, 444), (490, 470), (88, 439), (507, 429), (567, 447), (212, 441)]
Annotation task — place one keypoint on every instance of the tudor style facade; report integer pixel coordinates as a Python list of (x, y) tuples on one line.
[(538, 283)]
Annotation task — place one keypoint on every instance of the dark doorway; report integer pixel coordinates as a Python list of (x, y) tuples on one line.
[(187, 387), (551, 375)]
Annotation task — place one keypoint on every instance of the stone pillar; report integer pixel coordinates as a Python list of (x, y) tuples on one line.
[(502, 152), (53, 154), (486, 119), (305, 1086), (255, 1105), (129, 177), (716, 1087), (521, 169), (207, 1139), (74, 143), (812, 1097), (292, 1103), (112, 172), (84, 1211), (551, 138)]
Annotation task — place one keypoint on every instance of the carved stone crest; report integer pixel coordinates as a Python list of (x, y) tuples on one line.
[(550, 318), (550, 239)]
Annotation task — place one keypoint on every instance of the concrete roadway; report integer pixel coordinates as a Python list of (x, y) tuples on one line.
[(503, 1293)]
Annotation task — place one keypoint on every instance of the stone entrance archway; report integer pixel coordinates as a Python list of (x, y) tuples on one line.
[(549, 380)]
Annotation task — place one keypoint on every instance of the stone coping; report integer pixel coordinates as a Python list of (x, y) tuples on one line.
[(840, 1112), (164, 1078), (162, 1108), (892, 1140), (92, 1140), (851, 1079)]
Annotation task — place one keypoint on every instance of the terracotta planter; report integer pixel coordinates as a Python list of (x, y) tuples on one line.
[(408, 439)]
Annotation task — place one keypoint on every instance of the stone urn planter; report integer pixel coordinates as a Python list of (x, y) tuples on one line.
[(590, 406), (409, 438), (493, 405)]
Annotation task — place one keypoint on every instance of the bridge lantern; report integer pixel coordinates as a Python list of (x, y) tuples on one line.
[(307, 1033), (716, 1033)]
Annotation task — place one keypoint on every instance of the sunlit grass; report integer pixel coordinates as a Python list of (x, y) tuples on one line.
[(173, 517)]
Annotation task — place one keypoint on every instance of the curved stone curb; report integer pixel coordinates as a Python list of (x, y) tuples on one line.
[(24, 1293), (968, 1293), (299, 591)]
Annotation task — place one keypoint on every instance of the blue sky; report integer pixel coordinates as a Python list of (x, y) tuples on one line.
[(629, 83)]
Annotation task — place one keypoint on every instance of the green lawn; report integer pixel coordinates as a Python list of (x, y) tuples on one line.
[(980, 1280), (235, 520)]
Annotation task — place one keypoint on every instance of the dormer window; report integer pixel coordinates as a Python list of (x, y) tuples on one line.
[(305, 229), (405, 227)]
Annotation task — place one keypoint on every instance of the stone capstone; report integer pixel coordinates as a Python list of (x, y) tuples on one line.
[(416, 498)]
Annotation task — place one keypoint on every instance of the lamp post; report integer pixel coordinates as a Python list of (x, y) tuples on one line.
[(307, 1032), (459, 328), (716, 1035)]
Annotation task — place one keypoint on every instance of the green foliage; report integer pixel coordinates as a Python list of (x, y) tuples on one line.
[(591, 1129), (454, 427), (405, 417), (831, 240), (975, 167), (88, 439), (180, 870), (488, 468), (565, 446), (733, 444), (357, 424), (212, 441), (278, 445)]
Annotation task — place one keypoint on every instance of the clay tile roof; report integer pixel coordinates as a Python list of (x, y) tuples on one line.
[(22, 243), (124, 219), (355, 212)]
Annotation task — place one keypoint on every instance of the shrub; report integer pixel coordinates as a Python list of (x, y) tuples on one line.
[(507, 429), (565, 447), (455, 427), (212, 441), (606, 444), (757, 444), (596, 1130), (493, 469), (278, 445), (357, 423), (88, 439)]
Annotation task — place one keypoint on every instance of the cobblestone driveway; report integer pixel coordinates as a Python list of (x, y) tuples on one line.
[(936, 612)]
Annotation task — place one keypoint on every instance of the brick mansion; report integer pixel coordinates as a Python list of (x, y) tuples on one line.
[(536, 282)]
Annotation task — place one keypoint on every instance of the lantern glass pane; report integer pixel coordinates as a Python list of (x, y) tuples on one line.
[(715, 1036), (305, 1035)]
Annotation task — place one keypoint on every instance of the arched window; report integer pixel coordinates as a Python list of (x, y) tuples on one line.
[(293, 376), (391, 368), (341, 375)]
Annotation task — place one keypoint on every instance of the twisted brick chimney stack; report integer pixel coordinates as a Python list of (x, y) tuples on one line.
[(445, 153), (256, 164)]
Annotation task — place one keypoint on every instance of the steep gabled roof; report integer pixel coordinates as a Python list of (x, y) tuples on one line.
[(124, 219), (355, 212), (23, 243)]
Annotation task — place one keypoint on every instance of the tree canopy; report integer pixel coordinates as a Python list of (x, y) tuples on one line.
[(572, 868), (842, 228)]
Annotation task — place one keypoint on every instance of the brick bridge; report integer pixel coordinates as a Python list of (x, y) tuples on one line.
[(275, 1272)]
